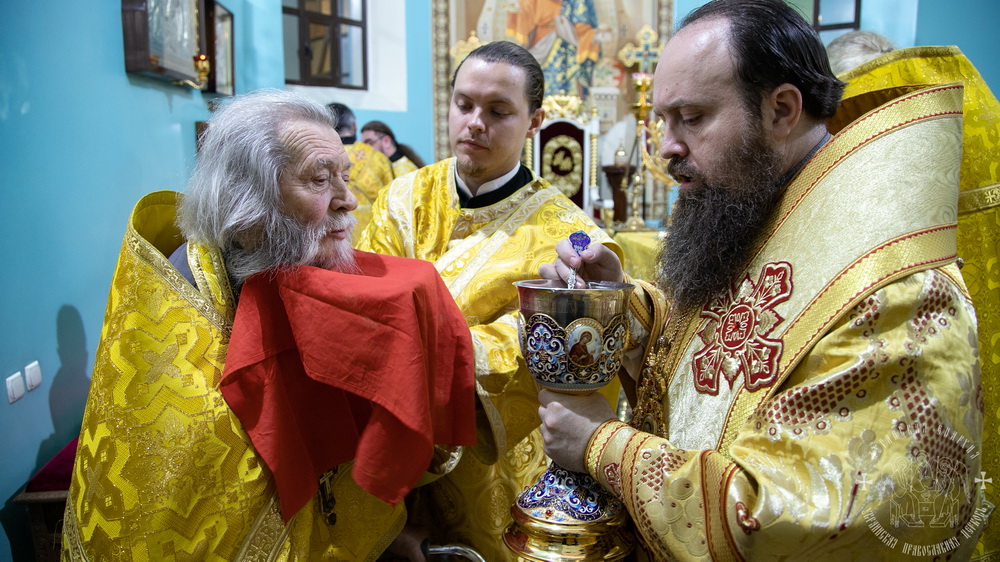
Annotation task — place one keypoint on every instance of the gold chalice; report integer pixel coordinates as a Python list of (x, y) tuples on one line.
[(573, 341)]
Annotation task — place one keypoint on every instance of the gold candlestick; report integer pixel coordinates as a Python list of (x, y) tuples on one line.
[(635, 221), (644, 55), (642, 81)]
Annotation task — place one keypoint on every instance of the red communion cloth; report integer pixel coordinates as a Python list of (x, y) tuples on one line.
[(324, 367)]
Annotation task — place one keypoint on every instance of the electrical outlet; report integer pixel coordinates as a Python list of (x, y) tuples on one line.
[(15, 387), (33, 375)]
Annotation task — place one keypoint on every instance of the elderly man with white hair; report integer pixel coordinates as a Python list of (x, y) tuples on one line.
[(228, 416)]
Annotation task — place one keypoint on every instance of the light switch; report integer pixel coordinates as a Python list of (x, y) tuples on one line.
[(33, 375), (15, 387)]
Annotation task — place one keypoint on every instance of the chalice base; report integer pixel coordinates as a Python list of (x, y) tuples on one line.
[(568, 516)]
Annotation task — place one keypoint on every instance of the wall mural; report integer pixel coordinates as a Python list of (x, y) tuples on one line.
[(576, 42)]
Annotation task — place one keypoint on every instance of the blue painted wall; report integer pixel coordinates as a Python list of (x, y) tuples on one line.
[(970, 24), (415, 126)]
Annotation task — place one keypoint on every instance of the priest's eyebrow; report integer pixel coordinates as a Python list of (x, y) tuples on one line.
[(492, 101), (680, 104)]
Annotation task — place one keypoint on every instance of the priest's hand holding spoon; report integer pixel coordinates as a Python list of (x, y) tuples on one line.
[(595, 263)]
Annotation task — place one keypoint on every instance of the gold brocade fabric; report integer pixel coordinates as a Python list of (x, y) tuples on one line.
[(828, 406), (370, 172), (164, 470), (641, 249), (403, 166), (978, 218), (480, 253)]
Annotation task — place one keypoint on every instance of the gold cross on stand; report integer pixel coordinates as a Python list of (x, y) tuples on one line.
[(645, 55)]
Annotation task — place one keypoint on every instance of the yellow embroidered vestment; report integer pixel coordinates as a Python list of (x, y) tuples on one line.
[(978, 216), (402, 166), (370, 172), (828, 406), (164, 469)]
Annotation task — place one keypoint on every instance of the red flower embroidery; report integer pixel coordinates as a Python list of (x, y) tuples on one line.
[(735, 336), (613, 474)]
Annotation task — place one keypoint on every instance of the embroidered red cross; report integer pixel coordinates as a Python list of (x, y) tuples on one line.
[(735, 336)]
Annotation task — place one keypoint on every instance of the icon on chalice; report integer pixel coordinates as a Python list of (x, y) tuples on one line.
[(573, 341)]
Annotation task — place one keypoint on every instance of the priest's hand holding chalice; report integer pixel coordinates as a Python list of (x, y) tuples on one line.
[(573, 329)]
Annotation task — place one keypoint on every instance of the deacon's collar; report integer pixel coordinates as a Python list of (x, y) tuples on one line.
[(493, 191), (349, 140), (396, 155)]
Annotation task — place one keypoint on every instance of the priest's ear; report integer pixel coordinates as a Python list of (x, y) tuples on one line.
[(535, 122), (783, 109)]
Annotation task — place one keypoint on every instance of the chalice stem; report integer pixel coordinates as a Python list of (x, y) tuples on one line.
[(573, 341)]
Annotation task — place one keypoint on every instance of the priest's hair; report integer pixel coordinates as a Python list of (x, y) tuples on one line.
[(347, 125), (772, 45), (233, 199), (381, 128), (517, 56)]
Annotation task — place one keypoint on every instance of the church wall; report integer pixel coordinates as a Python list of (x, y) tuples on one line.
[(413, 125), (399, 92), (970, 24)]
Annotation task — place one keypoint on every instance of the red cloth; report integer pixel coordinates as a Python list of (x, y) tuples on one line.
[(56, 473), (324, 367)]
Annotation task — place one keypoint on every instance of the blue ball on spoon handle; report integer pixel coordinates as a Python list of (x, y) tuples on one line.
[(580, 241)]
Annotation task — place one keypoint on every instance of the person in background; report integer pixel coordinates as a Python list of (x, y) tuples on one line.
[(370, 169), (404, 159), (485, 221), (204, 437), (810, 381), (854, 48)]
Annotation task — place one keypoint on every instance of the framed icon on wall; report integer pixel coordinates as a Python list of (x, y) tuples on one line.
[(163, 38), (221, 45)]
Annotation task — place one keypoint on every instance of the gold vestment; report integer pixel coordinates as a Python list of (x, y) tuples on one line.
[(978, 216), (370, 172), (164, 470), (480, 253), (402, 166), (827, 407)]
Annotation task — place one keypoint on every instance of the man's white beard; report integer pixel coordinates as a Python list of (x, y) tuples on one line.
[(287, 243), (342, 258)]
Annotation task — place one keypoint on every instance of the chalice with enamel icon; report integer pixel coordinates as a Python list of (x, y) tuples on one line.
[(573, 341)]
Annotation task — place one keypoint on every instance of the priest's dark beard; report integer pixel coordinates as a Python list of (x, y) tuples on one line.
[(715, 225)]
